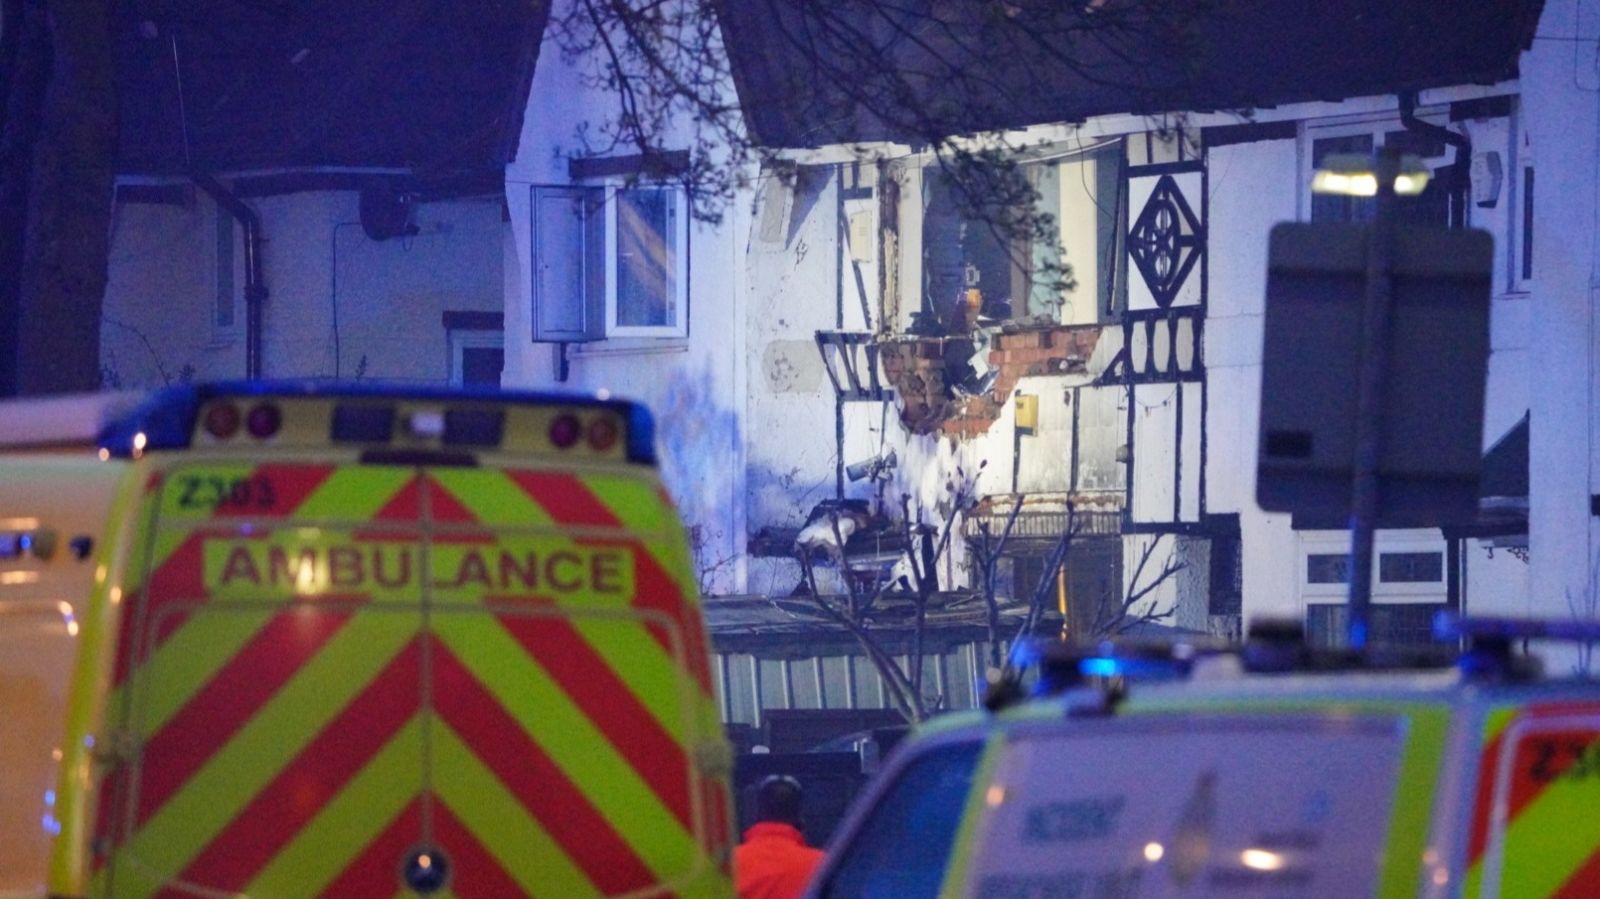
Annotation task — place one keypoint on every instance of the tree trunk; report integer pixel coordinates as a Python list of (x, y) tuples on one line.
[(66, 241), (24, 72)]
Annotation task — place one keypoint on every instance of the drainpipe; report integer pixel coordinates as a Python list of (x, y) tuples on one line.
[(255, 291), (1460, 170)]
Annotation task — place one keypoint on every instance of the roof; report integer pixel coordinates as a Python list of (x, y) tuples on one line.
[(270, 84), (863, 70)]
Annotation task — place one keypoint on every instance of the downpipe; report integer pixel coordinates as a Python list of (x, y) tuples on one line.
[(255, 289), (1460, 170)]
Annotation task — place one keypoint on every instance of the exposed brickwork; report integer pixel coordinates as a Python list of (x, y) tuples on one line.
[(915, 367), (1017, 355)]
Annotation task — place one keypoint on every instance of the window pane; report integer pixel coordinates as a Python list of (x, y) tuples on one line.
[(1328, 568), (1403, 625), (559, 224), (647, 258), (1411, 568), (902, 849), (1327, 626), (481, 366)]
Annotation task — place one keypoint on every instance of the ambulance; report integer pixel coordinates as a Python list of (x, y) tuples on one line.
[(294, 640), (1277, 772)]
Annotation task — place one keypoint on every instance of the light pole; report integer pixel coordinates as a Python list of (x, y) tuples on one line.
[(1359, 176)]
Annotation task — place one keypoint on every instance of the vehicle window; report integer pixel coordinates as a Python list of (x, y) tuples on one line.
[(901, 849), (1180, 805)]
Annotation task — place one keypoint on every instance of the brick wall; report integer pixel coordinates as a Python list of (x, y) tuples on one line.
[(915, 366)]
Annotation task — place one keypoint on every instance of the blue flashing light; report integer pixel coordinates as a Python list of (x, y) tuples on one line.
[(1099, 666), (167, 418), (1133, 667), (1448, 626)]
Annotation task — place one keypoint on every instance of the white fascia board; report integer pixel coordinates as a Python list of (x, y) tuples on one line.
[(1060, 135)]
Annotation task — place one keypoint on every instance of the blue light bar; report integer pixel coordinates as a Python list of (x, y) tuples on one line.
[(167, 418), (1134, 667), (1447, 626), (1099, 666)]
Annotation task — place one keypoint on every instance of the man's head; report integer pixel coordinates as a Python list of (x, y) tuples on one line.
[(778, 799)]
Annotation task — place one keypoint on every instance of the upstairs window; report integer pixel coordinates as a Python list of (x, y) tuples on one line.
[(974, 267), (610, 261)]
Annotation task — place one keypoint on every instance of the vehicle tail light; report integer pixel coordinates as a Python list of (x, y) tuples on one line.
[(264, 421), (222, 420), (602, 434), (565, 430)]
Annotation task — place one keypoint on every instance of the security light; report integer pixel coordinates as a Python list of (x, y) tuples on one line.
[(1354, 175)]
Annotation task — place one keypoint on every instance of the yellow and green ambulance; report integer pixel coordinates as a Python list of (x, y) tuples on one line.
[(1225, 783), (297, 640)]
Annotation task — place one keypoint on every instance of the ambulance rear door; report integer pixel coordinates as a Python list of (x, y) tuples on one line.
[(367, 680), (570, 682)]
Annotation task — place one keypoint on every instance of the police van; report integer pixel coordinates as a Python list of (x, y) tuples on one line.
[(291, 640), (1276, 772)]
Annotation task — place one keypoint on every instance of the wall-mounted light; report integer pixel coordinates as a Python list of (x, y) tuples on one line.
[(1355, 175)]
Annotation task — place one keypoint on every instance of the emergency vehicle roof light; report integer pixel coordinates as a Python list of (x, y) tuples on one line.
[(168, 418), (1447, 626), (565, 430), (353, 423), (223, 420), (474, 427), (264, 420)]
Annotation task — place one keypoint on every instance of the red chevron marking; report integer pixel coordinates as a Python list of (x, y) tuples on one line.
[(534, 779), (229, 700), (565, 497), (313, 778), (290, 485), (656, 590), (1584, 882), (605, 698), (375, 873), (443, 506), (474, 872), (405, 505)]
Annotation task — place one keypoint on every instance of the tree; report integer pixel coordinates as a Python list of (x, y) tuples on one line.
[(57, 163), (1115, 614), (872, 73), (861, 612)]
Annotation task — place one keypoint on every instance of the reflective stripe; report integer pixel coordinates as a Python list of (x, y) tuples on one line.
[(961, 848), (1534, 828), (1418, 779)]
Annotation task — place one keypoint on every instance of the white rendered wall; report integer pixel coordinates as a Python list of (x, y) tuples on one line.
[(695, 386), (390, 294), (1561, 92), (1252, 187)]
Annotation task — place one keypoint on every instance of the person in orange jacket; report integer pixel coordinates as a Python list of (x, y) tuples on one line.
[(774, 861)]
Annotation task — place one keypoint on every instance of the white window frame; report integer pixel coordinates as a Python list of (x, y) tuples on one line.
[(1314, 543), (463, 339), (222, 335), (1520, 163), (680, 275), (1375, 125)]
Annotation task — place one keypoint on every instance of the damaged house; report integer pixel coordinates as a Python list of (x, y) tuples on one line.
[(1103, 377)]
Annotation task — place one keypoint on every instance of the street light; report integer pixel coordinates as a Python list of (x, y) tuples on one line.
[(1381, 179), (1355, 175)]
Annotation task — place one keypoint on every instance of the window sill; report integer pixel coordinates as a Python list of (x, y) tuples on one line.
[(630, 346)]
